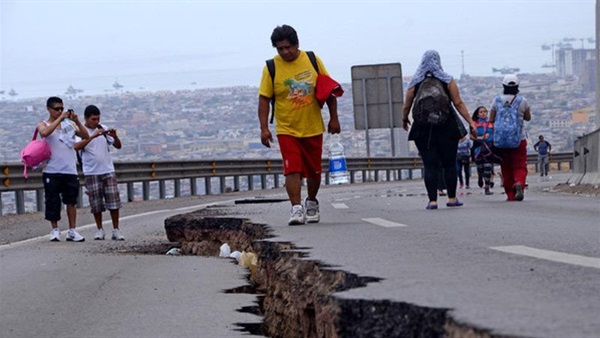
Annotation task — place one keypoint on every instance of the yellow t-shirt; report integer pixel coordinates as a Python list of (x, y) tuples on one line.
[(297, 112)]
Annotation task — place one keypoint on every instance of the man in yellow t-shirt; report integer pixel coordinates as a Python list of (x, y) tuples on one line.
[(299, 125)]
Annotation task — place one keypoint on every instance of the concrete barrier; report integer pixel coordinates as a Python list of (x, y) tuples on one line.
[(586, 159)]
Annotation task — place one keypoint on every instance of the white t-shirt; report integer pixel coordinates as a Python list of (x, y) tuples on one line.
[(63, 159), (95, 157)]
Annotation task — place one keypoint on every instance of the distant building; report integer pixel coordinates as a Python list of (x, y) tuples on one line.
[(581, 115), (573, 62), (587, 78), (559, 123)]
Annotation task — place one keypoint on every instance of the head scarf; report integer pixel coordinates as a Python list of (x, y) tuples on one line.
[(430, 62)]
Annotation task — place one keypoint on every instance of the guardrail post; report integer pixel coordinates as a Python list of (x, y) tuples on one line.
[(162, 190), (250, 182), (222, 185), (276, 180), (130, 192), (263, 181), (80, 197), (1, 204), (20, 201), (177, 187), (39, 199), (145, 190), (236, 183), (193, 187), (207, 186)]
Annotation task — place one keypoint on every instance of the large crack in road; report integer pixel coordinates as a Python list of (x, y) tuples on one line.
[(296, 296)]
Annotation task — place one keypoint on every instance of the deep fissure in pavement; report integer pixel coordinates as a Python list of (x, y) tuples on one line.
[(295, 294)]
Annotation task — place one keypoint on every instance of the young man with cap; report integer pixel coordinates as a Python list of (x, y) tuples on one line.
[(99, 171), (299, 124), (514, 160)]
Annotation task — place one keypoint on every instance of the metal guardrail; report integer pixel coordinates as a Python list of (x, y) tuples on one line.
[(241, 174)]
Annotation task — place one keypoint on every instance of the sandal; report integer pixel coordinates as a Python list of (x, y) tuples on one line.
[(431, 206), (456, 203)]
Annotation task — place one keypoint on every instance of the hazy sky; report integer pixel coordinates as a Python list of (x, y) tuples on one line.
[(48, 45)]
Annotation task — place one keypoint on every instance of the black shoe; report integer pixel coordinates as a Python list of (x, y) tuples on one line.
[(519, 192)]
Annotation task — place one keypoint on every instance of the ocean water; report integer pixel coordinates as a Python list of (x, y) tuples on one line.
[(151, 81)]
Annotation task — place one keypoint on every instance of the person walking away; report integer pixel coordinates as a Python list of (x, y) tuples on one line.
[(543, 149), (99, 171), (463, 161), (510, 126), (435, 128), (299, 125), (482, 149), (61, 183)]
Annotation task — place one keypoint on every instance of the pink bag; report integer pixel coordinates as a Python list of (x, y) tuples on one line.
[(35, 155)]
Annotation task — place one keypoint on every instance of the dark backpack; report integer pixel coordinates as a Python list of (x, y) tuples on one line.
[(432, 102), (271, 68), (507, 124)]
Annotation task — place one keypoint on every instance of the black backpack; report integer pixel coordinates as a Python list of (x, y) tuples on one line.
[(271, 68), (432, 103)]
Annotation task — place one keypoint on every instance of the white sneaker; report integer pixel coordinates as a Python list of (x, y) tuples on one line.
[(312, 211), (297, 217), (99, 235), (74, 236), (117, 235), (55, 235)]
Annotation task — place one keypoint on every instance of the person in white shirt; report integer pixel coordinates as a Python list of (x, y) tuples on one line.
[(61, 184), (99, 171)]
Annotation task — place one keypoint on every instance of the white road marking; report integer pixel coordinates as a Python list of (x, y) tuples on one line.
[(339, 205), (93, 225), (555, 256), (384, 223)]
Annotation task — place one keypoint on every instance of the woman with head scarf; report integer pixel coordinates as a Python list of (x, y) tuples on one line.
[(437, 143)]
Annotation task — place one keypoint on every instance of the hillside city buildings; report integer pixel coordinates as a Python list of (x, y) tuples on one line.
[(222, 123)]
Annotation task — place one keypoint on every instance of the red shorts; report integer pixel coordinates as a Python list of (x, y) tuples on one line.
[(301, 155)]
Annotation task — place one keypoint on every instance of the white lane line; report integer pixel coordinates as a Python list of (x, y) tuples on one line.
[(384, 223), (93, 225), (339, 205), (555, 256)]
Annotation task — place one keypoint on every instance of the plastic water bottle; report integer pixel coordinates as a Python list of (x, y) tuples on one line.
[(338, 172)]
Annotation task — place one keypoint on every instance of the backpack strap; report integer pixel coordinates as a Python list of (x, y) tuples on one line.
[(35, 132), (271, 68), (516, 102), (313, 60)]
